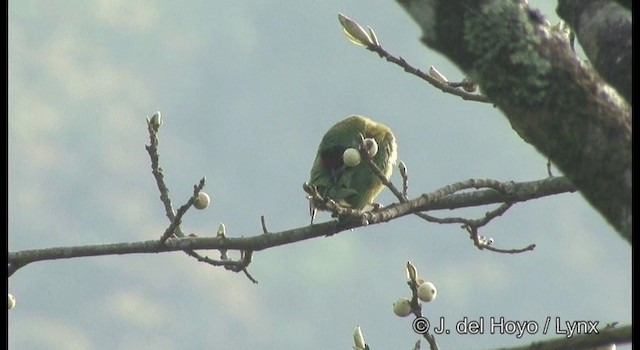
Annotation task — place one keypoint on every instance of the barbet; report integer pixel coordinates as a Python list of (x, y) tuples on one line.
[(352, 184)]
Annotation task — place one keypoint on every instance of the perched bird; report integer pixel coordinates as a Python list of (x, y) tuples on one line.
[(337, 172)]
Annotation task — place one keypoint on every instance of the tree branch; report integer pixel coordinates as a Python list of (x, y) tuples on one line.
[(174, 229), (446, 86), (604, 31), (439, 199), (552, 100), (590, 341)]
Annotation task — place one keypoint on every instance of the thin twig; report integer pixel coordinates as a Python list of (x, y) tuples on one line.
[(175, 218), (416, 308), (152, 149), (246, 273), (385, 181), (264, 225), (444, 86), (404, 173), (449, 190), (511, 251)]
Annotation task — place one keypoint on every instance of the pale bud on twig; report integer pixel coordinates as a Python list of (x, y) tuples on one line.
[(246, 256), (12, 301), (221, 230), (433, 72), (155, 121), (412, 272), (354, 32), (358, 339), (402, 167), (373, 37)]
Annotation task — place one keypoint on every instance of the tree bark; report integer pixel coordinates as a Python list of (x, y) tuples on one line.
[(604, 31), (552, 99)]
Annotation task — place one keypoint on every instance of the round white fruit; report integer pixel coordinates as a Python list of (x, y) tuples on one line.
[(202, 201), (427, 291), (351, 157), (402, 307), (371, 146)]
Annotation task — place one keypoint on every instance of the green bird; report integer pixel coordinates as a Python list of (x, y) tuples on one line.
[(352, 185)]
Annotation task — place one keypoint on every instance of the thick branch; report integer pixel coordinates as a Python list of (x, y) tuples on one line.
[(511, 192), (604, 337), (553, 100), (603, 28)]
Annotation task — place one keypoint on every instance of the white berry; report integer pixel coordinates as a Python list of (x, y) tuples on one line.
[(202, 201), (427, 291), (371, 146), (351, 157), (402, 307)]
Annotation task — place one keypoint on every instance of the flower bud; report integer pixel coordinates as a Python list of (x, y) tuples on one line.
[(412, 272), (402, 167), (358, 339), (221, 230), (433, 72), (354, 32), (156, 121), (12, 301), (374, 37)]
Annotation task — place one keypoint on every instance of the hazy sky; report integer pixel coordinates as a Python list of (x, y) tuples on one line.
[(247, 89)]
